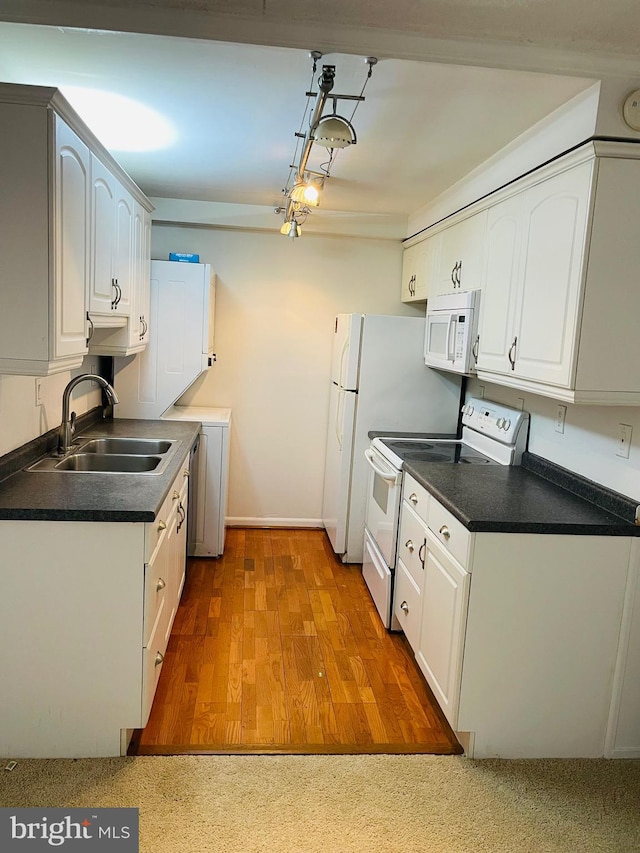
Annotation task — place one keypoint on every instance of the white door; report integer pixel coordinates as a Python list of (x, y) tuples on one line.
[(102, 293), (555, 227), (337, 473), (445, 599), (499, 281), (346, 350), (72, 205), (123, 258)]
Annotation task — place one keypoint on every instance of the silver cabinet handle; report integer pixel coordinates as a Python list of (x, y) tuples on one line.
[(512, 353), (422, 553), (91, 328), (404, 607), (159, 659), (410, 546), (162, 525), (413, 498), (444, 531), (160, 585)]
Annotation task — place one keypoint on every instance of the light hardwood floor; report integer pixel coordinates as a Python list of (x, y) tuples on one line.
[(277, 647)]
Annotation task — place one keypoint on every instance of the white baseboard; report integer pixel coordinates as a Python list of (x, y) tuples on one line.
[(622, 752), (274, 522)]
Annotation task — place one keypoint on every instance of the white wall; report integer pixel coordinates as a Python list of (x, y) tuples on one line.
[(589, 442), (275, 304), (21, 420)]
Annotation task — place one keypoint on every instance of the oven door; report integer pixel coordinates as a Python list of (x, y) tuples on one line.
[(383, 504)]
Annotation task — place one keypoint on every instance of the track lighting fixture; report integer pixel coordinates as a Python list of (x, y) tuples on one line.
[(331, 131)]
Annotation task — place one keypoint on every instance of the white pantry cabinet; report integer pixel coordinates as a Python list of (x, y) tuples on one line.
[(557, 314), (92, 604), (53, 259), (508, 641)]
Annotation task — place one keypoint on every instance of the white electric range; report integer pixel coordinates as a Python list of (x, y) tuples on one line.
[(492, 434)]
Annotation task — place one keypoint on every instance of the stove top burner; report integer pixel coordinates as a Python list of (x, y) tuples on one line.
[(445, 452)]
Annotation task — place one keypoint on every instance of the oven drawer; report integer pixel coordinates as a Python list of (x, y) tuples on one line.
[(449, 531), (407, 605), (416, 496), (412, 543)]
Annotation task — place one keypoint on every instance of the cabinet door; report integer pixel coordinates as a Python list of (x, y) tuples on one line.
[(123, 257), (102, 293), (142, 280), (499, 280), (445, 598), (71, 240), (418, 267), (461, 254), (553, 252)]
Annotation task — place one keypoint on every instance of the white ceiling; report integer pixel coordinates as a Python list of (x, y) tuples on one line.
[(235, 107)]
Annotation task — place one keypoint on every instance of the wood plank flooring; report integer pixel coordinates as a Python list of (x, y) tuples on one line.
[(277, 647)]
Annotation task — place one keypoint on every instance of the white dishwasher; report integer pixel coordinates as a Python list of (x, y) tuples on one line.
[(210, 478)]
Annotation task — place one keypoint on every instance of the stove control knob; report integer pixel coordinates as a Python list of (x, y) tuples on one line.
[(471, 410), (507, 424), (500, 423)]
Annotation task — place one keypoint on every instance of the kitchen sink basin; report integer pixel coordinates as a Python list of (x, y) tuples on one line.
[(113, 462), (135, 446), (112, 455)]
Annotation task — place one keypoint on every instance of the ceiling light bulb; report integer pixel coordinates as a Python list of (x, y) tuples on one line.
[(294, 230), (311, 194), (286, 226), (304, 194)]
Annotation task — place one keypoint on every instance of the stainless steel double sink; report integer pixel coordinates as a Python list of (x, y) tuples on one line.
[(115, 455)]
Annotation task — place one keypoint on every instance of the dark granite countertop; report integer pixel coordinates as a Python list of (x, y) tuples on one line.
[(89, 496), (526, 499)]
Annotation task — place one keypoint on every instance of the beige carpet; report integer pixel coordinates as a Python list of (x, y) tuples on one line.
[(350, 804)]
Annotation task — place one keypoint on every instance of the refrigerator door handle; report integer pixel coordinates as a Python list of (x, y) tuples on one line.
[(343, 355), (339, 417), (388, 476)]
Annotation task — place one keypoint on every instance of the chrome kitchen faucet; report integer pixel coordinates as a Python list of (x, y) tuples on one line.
[(68, 425)]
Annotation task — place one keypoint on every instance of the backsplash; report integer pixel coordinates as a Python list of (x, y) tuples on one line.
[(22, 419), (590, 439)]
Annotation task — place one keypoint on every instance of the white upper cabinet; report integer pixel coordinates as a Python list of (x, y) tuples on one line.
[(71, 229), (418, 269), (557, 309), (461, 255), (67, 219), (44, 241)]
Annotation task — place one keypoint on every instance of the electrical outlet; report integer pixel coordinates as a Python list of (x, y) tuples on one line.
[(624, 440), (521, 403), (38, 391), (92, 367), (561, 414), (481, 391)]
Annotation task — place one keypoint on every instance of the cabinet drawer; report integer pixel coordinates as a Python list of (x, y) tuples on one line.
[(156, 585), (412, 543), (449, 531), (416, 496), (152, 658), (407, 605)]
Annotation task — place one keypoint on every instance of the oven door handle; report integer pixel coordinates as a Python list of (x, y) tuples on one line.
[(388, 476)]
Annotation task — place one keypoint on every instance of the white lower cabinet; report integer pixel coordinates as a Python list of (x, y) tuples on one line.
[(99, 600), (519, 634), (444, 610)]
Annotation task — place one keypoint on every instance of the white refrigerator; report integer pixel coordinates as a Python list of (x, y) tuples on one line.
[(379, 381)]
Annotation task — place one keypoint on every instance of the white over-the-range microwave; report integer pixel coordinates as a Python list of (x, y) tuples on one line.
[(451, 335)]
